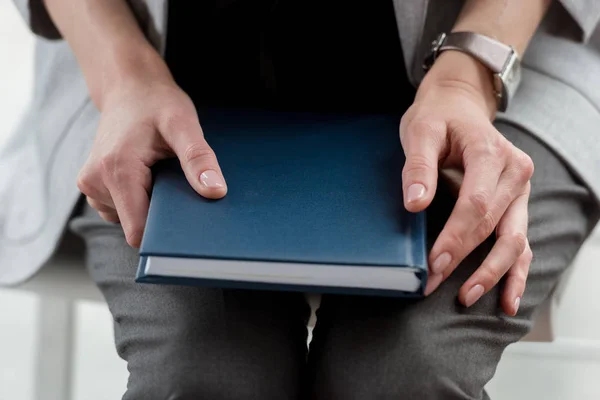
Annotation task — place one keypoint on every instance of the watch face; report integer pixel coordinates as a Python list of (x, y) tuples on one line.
[(433, 51), (513, 78), (510, 78)]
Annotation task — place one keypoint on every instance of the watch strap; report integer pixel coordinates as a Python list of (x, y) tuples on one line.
[(489, 52)]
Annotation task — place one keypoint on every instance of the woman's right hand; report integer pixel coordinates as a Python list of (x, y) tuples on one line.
[(143, 122)]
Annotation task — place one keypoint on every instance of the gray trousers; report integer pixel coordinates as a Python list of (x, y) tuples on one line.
[(201, 343)]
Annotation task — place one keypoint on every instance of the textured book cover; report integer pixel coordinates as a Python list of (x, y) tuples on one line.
[(314, 204)]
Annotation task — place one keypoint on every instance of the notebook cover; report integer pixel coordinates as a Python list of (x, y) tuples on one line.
[(303, 188)]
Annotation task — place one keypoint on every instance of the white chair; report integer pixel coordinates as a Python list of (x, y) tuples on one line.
[(60, 284), (64, 281)]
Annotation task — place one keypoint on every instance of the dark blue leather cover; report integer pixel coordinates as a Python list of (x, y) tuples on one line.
[(303, 188)]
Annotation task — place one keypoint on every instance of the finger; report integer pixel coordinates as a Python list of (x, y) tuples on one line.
[(198, 161), (424, 144), (109, 216), (497, 263), (509, 246), (129, 184), (482, 200), (516, 280), (91, 184), (101, 207), (445, 264)]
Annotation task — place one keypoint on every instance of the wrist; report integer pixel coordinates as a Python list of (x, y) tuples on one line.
[(132, 65), (463, 72)]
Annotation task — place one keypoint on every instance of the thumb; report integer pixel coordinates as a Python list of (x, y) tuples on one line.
[(197, 158), (423, 145)]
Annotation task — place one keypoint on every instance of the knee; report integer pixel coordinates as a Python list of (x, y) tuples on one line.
[(163, 386), (416, 380), (184, 385), (191, 382), (414, 367), (440, 375), (452, 364)]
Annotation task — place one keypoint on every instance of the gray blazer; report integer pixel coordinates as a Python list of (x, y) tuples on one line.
[(558, 101)]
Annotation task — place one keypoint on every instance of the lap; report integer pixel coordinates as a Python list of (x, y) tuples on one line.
[(436, 348), (187, 342)]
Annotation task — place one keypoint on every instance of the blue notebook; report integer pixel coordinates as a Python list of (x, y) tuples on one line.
[(314, 204)]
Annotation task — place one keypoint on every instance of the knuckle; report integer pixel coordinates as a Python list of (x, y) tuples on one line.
[(93, 203), (108, 216), (505, 198), (527, 190), (478, 149), (491, 276), (405, 121), (480, 203), (521, 280), (454, 242), (486, 226), (175, 119), (500, 148), (419, 127), (521, 276), (197, 151), (527, 254), (519, 240), (85, 183), (491, 152), (417, 164), (134, 236), (525, 166), (109, 164), (116, 165), (409, 115)]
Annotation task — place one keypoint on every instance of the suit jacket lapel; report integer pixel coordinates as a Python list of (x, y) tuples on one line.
[(152, 16), (410, 17)]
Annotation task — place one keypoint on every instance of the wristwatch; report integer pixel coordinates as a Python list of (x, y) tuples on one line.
[(501, 59)]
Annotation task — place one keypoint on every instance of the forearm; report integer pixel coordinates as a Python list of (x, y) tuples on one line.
[(512, 22), (108, 43)]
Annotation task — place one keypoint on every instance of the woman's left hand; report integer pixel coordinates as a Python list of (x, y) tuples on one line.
[(449, 126)]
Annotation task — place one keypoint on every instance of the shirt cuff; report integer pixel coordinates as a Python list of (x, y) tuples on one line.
[(36, 15)]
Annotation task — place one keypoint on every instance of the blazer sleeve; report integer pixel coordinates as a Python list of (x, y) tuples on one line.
[(586, 13), (36, 15)]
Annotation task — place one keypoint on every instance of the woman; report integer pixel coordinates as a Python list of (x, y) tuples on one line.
[(189, 343)]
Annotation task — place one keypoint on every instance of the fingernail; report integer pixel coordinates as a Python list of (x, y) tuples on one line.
[(415, 192), (211, 179), (517, 304), (473, 295), (432, 283), (441, 263)]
